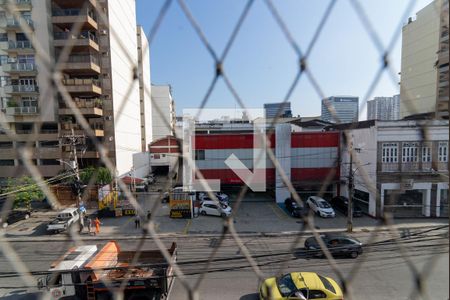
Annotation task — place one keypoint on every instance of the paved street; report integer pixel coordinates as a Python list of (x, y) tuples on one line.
[(383, 272)]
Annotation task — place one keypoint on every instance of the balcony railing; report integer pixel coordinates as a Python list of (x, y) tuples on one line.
[(24, 131), (82, 59), (28, 110), (73, 12), (21, 89), (19, 67), (20, 45), (15, 2), (73, 81), (15, 23), (68, 35), (389, 167)]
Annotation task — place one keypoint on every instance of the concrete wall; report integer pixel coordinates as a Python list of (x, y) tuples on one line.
[(420, 42), (162, 112), (123, 51), (141, 164)]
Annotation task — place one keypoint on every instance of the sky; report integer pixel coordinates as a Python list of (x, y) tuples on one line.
[(261, 64)]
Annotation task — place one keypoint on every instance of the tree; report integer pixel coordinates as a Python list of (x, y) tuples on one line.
[(101, 175), (23, 190)]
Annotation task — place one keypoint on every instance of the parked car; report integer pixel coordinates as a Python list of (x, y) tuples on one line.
[(300, 285), (14, 216), (64, 220), (336, 244), (211, 208), (223, 198), (321, 207), (340, 203), (294, 209)]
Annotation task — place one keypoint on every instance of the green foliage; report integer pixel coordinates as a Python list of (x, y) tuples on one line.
[(24, 190), (101, 175)]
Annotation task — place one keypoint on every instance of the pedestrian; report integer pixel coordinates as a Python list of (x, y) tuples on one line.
[(81, 224), (137, 221), (88, 222), (149, 215), (97, 224)]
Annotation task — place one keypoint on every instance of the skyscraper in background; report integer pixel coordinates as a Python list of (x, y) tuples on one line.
[(384, 108), (283, 109), (345, 107)]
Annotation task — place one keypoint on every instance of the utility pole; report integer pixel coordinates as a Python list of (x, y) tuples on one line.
[(350, 194), (72, 141)]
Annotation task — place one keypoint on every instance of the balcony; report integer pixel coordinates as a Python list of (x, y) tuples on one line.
[(83, 86), (81, 64), (18, 4), (74, 3), (87, 107), (66, 129), (389, 167), (22, 111), (20, 47), (14, 24), (91, 154), (21, 89), (65, 18), (82, 40), (25, 69)]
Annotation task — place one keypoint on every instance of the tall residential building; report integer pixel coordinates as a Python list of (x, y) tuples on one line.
[(384, 108), (98, 74), (346, 109), (163, 112), (144, 88), (442, 65), (420, 45), (282, 110)]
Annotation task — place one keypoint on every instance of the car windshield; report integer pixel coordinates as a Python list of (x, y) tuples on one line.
[(324, 204), (286, 285), (63, 217)]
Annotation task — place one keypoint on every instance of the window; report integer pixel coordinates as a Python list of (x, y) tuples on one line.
[(410, 152), (389, 153), (25, 59), (426, 153), (3, 59), (199, 154), (4, 80), (3, 37), (6, 162), (49, 162), (20, 36), (443, 152), (49, 144), (29, 102), (6, 145)]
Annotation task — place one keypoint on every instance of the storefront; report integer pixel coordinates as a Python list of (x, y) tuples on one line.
[(406, 200)]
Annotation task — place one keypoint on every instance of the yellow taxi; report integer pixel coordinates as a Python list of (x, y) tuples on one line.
[(300, 286)]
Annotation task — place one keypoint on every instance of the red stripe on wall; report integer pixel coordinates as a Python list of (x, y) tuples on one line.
[(164, 150), (314, 139), (311, 174), (227, 176), (227, 141)]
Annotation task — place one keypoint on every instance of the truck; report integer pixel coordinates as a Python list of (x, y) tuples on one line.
[(64, 220), (92, 272)]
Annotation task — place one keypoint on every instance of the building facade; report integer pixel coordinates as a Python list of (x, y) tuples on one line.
[(95, 75), (346, 109), (399, 172), (163, 112), (384, 108), (442, 90), (420, 45), (282, 110)]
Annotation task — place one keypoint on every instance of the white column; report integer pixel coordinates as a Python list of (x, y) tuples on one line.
[(283, 155)]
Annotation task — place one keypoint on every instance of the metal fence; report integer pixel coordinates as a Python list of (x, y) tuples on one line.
[(304, 72)]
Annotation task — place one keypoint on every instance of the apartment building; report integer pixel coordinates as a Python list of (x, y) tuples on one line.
[(163, 112), (442, 89), (384, 108), (346, 109), (420, 45), (98, 74), (399, 172)]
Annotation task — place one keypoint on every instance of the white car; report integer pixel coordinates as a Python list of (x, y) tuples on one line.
[(211, 208), (320, 207), (64, 220), (223, 198)]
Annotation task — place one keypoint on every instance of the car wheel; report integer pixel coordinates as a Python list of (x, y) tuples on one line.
[(27, 216), (354, 254), (223, 215), (4, 225), (203, 213)]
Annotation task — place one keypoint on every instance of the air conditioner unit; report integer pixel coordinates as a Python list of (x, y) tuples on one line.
[(12, 60), (108, 118), (105, 53), (103, 32)]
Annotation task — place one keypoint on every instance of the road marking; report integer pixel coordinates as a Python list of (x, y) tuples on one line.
[(186, 228), (278, 211)]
